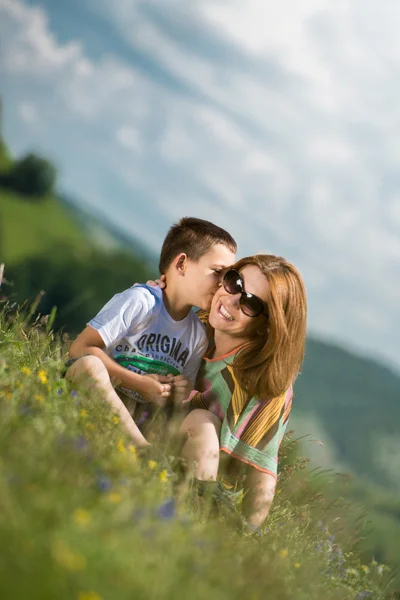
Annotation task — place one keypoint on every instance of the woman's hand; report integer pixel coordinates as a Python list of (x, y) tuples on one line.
[(162, 282), (181, 388)]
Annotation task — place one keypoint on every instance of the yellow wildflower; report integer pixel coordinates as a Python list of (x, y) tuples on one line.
[(120, 447), (6, 394), (81, 517), (132, 449), (113, 497), (297, 565), (88, 596), (90, 426), (365, 568), (283, 553), (39, 398), (164, 476), (116, 419), (66, 558), (152, 464), (42, 376), (26, 371), (84, 413)]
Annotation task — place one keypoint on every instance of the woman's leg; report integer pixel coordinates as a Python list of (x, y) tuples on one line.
[(201, 429), (91, 371)]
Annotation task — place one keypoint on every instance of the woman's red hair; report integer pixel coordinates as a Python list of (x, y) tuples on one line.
[(272, 360)]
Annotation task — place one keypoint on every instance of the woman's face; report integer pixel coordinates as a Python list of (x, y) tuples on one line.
[(226, 314)]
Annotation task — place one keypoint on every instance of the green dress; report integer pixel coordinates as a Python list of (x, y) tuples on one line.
[(252, 428)]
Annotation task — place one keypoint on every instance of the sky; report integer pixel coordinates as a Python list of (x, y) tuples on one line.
[(278, 121)]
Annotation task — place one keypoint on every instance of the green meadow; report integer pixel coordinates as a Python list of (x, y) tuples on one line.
[(83, 516)]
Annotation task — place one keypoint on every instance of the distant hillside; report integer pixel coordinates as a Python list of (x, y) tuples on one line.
[(356, 403), (35, 227), (27, 228), (103, 233)]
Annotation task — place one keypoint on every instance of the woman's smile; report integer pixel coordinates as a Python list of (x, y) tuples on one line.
[(223, 312)]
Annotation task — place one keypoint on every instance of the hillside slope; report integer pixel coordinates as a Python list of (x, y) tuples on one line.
[(28, 228), (356, 400)]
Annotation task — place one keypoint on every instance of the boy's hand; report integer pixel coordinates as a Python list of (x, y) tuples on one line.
[(156, 388), (160, 282), (181, 388)]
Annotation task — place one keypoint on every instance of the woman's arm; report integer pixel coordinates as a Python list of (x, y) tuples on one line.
[(259, 491)]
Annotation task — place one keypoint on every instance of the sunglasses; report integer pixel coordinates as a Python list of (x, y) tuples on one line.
[(249, 304)]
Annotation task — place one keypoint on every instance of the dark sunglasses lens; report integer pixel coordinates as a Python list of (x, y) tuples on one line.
[(251, 305), (232, 282)]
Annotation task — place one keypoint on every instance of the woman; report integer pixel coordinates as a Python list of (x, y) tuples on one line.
[(244, 387)]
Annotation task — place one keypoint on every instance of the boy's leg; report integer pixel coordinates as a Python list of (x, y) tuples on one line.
[(92, 367)]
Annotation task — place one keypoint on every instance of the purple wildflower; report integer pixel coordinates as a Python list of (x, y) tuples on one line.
[(143, 417), (59, 392), (81, 443), (167, 509), (103, 483), (74, 393)]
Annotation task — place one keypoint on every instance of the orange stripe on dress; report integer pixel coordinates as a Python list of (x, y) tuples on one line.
[(264, 421)]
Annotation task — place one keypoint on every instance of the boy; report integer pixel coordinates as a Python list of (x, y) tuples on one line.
[(149, 341)]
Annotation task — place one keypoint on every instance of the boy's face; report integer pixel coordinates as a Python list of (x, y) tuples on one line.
[(203, 277)]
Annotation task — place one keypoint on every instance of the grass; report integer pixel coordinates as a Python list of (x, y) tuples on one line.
[(28, 228), (83, 517)]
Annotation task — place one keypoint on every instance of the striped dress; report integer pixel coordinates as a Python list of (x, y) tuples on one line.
[(252, 429)]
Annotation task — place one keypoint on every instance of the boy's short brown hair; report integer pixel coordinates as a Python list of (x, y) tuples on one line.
[(194, 237)]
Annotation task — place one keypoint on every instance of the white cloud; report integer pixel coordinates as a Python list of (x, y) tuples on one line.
[(128, 137), (28, 112), (285, 135), (30, 46)]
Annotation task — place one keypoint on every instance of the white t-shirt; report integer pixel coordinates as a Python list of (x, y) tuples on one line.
[(140, 334)]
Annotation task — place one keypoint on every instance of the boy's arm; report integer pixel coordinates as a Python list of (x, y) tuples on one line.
[(183, 384), (152, 387)]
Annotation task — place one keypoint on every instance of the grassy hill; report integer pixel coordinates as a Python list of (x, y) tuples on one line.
[(85, 517), (356, 403), (28, 228)]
